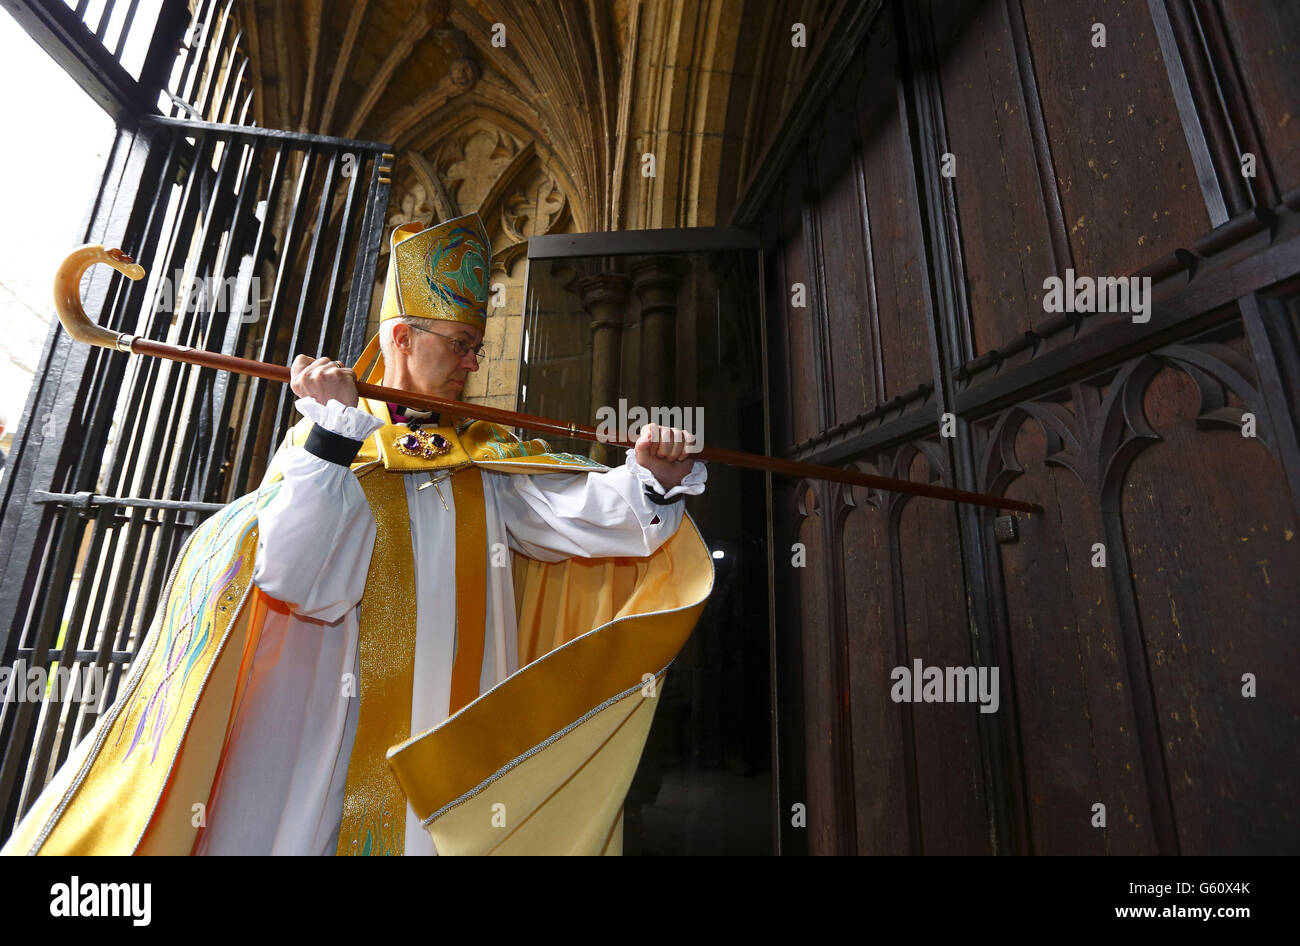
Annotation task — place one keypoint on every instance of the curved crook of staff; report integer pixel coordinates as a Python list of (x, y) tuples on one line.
[(67, 301)]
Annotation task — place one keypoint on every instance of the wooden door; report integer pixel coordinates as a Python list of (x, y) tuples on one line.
[(1144, 629)]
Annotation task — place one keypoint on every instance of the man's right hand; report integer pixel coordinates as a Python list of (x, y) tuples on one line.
[(323, 379)]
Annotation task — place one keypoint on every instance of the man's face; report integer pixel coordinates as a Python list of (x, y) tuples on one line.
[(431, 361)]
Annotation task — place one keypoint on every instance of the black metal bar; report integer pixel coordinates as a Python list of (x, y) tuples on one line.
[(313, 255), (340, 251), (27, 655), (195, 38), (125, 296), (212, 50), (151, 465), (234, 91), (127, 23), (236, 327), (48, 724), (104, 17), (146, 249), (227, 70), (48, 610), (87, 500), (256, 387), (291, 239), (301, 140), (243, 109), (171, 539), (160, 60), (363, 275), (93, 624), (201, 324), (25, 632), (123, 601), (224, 329), (183, 105), (167, 455), (156, 562)]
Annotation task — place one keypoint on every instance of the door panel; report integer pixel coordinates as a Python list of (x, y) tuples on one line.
[(1169, 443)]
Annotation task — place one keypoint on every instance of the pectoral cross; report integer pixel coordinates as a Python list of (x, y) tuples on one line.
[(434, 483)]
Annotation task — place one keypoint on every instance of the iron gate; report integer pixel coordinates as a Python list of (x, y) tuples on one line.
[(256, 242)]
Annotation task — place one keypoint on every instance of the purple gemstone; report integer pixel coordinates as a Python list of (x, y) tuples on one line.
[(440, 442), (408, 442)]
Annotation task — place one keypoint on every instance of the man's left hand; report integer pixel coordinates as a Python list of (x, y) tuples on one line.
[(662, 451)]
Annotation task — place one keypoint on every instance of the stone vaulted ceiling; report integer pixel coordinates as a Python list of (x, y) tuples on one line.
[(538, 114), (546, 132), (515, 133)]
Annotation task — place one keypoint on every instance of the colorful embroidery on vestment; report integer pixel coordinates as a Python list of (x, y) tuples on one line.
[(457, 262), (200, 587)]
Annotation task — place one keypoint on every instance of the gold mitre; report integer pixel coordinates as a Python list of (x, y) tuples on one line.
[(439, 272)]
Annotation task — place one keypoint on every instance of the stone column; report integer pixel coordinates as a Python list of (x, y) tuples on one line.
[(656, 280), (604, 296)]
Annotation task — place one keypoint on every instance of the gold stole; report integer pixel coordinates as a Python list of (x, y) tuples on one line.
[(374, 806)]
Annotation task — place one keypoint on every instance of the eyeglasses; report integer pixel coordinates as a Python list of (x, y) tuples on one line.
[(457, 345)]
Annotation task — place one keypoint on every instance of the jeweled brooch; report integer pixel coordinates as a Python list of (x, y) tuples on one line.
[(421, 443)]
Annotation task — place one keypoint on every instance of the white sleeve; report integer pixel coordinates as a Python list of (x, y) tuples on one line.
[(552, 516), (316, 535)]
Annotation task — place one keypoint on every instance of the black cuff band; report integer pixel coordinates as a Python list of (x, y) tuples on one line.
[(331, 446), (654, 497)]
